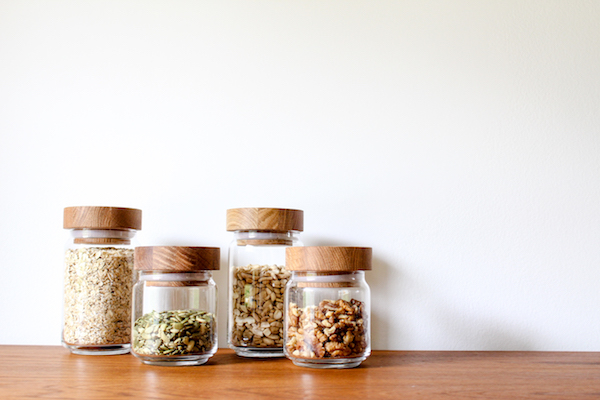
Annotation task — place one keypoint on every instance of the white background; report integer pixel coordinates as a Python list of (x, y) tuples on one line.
[(459, 139)]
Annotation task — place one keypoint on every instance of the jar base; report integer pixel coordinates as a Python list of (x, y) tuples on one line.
[(337, 363), (88, 350), (174, 361), (257, 352)]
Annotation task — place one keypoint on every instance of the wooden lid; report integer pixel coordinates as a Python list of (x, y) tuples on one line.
[(88, 217), (265, 219), (328, 258), (177, 258)]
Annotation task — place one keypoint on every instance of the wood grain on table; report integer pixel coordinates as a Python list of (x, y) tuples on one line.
[(28, 372)]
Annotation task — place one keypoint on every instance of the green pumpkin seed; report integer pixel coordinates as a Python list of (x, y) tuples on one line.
[(174, 333)]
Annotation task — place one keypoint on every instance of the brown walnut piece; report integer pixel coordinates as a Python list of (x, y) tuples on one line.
[(333, 329)]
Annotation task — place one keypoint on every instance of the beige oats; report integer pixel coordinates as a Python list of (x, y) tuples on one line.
[(97, 297)]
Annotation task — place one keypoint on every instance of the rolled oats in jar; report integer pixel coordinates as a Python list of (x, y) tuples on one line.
[(98, 279), (257, 277), (327, 303)]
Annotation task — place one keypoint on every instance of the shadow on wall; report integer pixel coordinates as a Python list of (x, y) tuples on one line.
[(477, 333), (461, 330), (449, 328), (382, 286)]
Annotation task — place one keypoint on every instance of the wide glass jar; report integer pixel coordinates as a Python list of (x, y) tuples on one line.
[(328, 303), (99, 278), (257, 277), (175, 305)]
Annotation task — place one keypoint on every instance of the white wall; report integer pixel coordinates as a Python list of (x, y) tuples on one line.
[(460, 139)]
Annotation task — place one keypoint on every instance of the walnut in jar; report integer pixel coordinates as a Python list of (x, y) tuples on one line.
[(333, 329), (327, 320)]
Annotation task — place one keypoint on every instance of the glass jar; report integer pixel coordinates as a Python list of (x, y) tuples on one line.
[(98, 279), (175, 305), (257, 277), (328, 306)]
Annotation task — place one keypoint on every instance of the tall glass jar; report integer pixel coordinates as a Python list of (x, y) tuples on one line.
[(257, 277), (98, 279), (328, 306), (175, 305)]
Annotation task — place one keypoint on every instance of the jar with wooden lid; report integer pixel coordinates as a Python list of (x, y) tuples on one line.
[(175, 305), (99, 278), (257, 277), (327, 300)]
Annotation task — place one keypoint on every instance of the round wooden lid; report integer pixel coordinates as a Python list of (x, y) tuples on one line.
[(328, 258), (88, 217), (265, 219), (177, 258)]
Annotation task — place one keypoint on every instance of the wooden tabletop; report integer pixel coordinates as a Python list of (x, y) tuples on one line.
[(28, 372)]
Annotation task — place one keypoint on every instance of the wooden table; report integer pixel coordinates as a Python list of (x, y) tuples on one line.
[(28, 372)]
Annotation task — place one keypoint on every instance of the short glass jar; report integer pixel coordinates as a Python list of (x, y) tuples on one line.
[(175, 305), (257, 277), (328, 306), (98, 279)]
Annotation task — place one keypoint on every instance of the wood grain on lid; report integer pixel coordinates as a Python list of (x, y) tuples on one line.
[(328, 258), (265, 219), (177, 258), (89, 217)]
